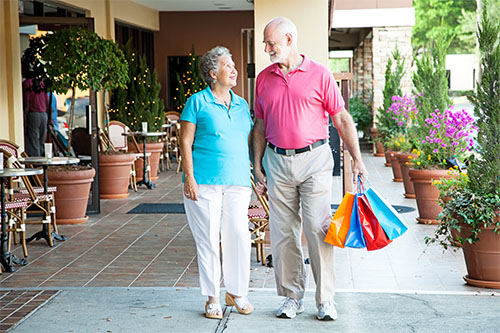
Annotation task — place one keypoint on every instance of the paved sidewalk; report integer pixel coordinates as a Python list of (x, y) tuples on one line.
[(124, 272), (179, 310)]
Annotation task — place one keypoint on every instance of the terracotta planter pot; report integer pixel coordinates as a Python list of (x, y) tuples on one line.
[(114, 175), (427, 194), (155, 148), (396, 169), (378, 146), (379, 149), (72, 195), (483, 258), (387, 158), (405, 163)]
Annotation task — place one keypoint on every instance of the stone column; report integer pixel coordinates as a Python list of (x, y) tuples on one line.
[(384, 42)]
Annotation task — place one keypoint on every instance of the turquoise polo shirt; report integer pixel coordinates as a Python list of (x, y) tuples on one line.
[(220, 147)]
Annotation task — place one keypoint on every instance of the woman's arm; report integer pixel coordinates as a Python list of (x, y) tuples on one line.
[(186, 147)]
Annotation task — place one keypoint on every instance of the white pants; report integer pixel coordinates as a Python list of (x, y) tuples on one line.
[(220, 214)]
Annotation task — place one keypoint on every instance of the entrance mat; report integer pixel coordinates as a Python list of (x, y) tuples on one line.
[(178, 208), (18, 304), (158, 208), (399, 209)]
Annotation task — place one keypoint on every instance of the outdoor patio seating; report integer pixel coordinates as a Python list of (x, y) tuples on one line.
[(36, 201), (258, 216), (118, 141)]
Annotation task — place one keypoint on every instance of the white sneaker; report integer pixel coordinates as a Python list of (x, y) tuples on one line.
[(327, 311), (290, 307)]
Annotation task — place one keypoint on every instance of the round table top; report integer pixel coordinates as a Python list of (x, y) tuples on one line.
[(15, 172), (144, 134), (42, 160)]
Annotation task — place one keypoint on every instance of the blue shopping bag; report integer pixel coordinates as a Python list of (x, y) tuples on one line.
[(388, 218), (355, 236)]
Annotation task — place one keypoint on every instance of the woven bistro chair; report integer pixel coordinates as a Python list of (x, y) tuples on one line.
[(119, 142), (258, 216), (38, 201)]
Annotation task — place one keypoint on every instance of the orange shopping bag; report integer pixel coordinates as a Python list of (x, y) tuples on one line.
[(341, 221)]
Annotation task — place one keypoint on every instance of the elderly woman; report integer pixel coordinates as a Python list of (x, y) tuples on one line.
[(215, 128)]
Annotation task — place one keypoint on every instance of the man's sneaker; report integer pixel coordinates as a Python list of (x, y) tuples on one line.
[(327, 311), (290, 307)]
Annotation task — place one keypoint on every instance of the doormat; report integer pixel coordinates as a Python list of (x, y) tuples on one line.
[(158, 208), (399, 209), (178, 208)]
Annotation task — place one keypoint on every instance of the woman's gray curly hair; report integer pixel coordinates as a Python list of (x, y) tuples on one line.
[(209, 62)]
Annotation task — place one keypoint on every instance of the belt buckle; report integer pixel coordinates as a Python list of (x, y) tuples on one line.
[(289, 152)]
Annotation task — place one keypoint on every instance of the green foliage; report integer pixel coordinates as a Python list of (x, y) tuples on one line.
[(430, 82), (468, 24), (449, 16), (474, 199), (466, 207), (360, 113), (78, 58), (139, 101), (394, 72), (189, 82), (399, 142), (484, 171), (338, 65)]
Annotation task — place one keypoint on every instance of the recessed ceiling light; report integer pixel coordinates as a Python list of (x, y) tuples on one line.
[(225, 7)]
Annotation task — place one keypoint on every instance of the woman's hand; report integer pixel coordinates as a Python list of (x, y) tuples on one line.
[(190, 188)]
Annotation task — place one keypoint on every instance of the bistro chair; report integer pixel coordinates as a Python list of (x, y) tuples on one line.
[(37, 201), (258, 216), (16, 213)]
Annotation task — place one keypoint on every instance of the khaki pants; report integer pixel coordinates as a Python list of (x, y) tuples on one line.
[(304, 182)]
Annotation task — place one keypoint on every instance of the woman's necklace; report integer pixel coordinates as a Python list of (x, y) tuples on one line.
[(223, 101)]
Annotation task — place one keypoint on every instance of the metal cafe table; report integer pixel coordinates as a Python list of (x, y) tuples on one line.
[(144, 135), (45, 162), (7, 259)]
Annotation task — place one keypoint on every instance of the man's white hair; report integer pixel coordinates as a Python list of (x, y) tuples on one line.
[(284, 26)]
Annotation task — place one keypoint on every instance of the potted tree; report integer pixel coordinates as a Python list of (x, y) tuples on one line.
[(386, 126), (444, 134), (139, 102), (471, 215), (78, 58)]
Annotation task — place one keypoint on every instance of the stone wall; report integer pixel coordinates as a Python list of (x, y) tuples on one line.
[(384, 42), (370, 60)]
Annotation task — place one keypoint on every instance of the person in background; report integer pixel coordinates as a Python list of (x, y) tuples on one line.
[(53, 111), (35, 101), (294, 163), (214, 144)]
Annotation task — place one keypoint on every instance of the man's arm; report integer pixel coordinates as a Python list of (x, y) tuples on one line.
[(347, 130), (259, 146)]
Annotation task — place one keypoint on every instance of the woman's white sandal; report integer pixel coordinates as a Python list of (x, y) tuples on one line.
[(240, 303), (213, 310)]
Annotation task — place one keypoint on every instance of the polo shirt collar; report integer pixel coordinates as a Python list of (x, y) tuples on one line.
[(210, 98), (304, 66)]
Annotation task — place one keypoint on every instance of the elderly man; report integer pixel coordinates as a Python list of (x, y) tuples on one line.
[(294, 163)]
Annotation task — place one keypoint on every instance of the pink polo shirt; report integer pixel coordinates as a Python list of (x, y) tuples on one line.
[(295, 108)]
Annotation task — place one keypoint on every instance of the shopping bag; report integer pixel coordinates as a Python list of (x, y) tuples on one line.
[(339, 226), (375, 237), (389, 219), (355, 237)]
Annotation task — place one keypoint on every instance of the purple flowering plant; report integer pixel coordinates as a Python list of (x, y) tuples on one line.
[(448, 135), (404, 111)]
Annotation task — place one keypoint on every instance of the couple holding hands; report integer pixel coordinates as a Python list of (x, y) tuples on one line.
[(292, 162)]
